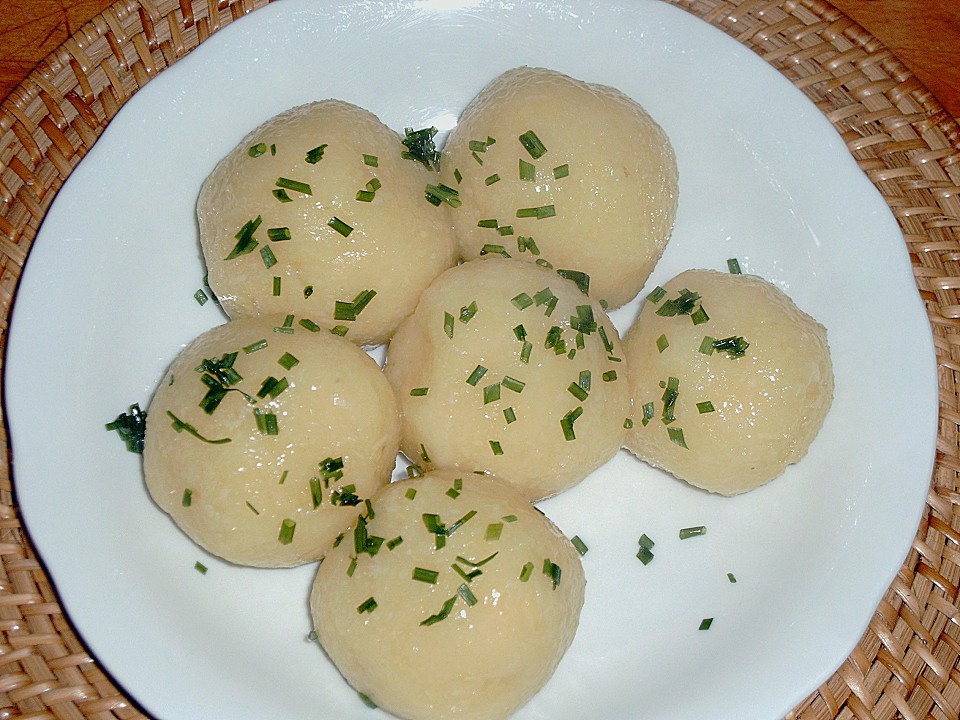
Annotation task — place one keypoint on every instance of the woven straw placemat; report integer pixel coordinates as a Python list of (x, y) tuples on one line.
[(907, 664)]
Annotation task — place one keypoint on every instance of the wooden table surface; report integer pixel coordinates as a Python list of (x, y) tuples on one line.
[(924, 34)]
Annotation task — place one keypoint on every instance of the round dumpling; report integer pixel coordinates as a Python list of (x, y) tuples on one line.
[(259, 442), (508, 368), (730, 380), (453, 598), (317, 213), (558, 169)]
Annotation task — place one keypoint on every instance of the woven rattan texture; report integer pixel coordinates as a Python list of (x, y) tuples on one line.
[(907, 665)]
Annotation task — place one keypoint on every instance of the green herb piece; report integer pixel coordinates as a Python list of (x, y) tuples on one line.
[(526, 571), (693, 531), (421, 148), (494, 531), (425, 576), (252, 508), (706, 345), (513, 384), (367, 606), (706, 623), (131, 427), (181, 426), (552, 571), (308, 324), (201, 297), (525, 243), (276, 286), (283, 477), (352, 567), (496, 447), (340, 226), (269, 259), (316, 491), (525, 352), (448, 324), (278, 234), (478, 372), (365, 195), (561, 171), (607, 343), (315, 155), (579, 545), (734, 347), (491, 179), (245, 240), (584, 380), (670, 394), (731, 578), (580, 279), (371, 160), (419, 391), (468, 597), (567, 421), (656, 295), (281, 195), (644, 555), (443, 614), (348, 311), (200, 567), (733, 265), (705, 407), (391, 544), (468, 312), (440, 193), (257, 150), (628, 423), (366, 700), (578, 392), (683, 304), (288, 361), (532, 144), (584, 321), (510, 415), (528, 171), (340, 330), (676, 436), (491, 393), (699, 316), (266, 422), (423, 453), (457, 175), (609, 376), (662, 343), (540, 212), (272, 387), (287, 528), (187, 499), (411, 493), (295, 185), (522, 301), (488, 223)]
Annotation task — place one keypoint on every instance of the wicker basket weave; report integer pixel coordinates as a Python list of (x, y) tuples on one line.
[(907, 664)]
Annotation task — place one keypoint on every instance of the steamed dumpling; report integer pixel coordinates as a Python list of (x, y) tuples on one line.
[(554, 168), (259, 442), (507, 367), (730, 380), (453, 598), (316, 213)]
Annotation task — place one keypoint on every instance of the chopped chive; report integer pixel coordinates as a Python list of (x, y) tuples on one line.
[(367, 606), (287, 528), (352, 567), (706, 345), (644, 555), (309, 324), (526, 571), (340, 226), (340, 330), (283, 477), (419, 391), (584, 380), (528, 170), (278, 234), (532, 144), (733, 265), (491, 393), (525, 351), (371, 160), (662, 343), (488, 223), (200, 567), (646, 542), (391, 544), (453, 493), (201, 297), (281, 195), (181, 426), (705, 407), (494, 530), (566, 423), (443, 614), (316, 491), (520, 332), (609, 376), (273, 148), (425, 576), (628, 423), (457, 175), (421, 148), (496, 447), (269, 259), (656, 295), (245, 240), (252, 508), (525, 243), (699, 316), (468, 597), (477, 145), (276, 285), (187, 498), (295, 185), (513, 384), (257, 150), (552, 571), (580, 279), (579, 545), (373, 184), (670, 394), (694, 531), (731, 578), (510, 415), (478, 372), (522, 301), (316, 154), (676, 436), (423, 453), (491, 179), (437, 194), (477, 158), (365, 195), (540, 212), (266, 422), (706, 623), (578, 392), (734, 347), (448, 324), (491, 249), (288, 361), (414, 471), (411, 493), (468, 312), (561, 171)]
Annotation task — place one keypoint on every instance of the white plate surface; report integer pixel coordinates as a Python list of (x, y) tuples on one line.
[(106, 302)]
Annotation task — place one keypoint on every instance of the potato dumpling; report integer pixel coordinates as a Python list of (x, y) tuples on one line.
[(730, 380), (453, 598), (316, 212), (260, 441), (555, 168), (507, 367)]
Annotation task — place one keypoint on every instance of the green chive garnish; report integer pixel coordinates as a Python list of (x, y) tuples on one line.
[(419, 391), (496, 447), (478, 372), (510, 415), (281, 195), (561, 171), (494, 530), (676, 436), (316, 154), (532, 144), (609, 376), (200, 567), (287, 528), (468, 312), (371, 160), (269, 259), (181, 426), (201, 297), (526, 571), (522, 301), (540, 212), (367, 606), (525, 243), (733, 265), (443, 614), (566, 423), (295, 185), (440, 193), (425, 576), (579, 545), (490, 180), (257, 150), (706, 623), (448, 324), (662, 343), (731, 577), (694, 531), (340, 226), (705, 407), (252, 508), (187, 498), (245, 240), (276, 285), (513, 384), (528, 171), (491, 393)]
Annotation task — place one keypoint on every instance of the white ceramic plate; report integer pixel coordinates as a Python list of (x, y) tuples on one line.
[(106, 302)]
